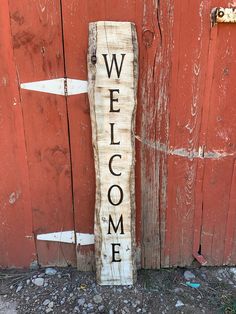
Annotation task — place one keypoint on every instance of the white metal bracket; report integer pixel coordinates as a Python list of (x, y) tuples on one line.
[(223, 15), (60, 86), (68, 237)]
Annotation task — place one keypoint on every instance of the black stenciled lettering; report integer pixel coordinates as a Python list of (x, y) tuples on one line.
[(115, 228), (112, 99), (112, 135), (110, 165), (118, 69), (115, 252), (121, 195)]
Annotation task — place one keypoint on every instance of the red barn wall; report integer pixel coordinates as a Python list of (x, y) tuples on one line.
[(185, 132)]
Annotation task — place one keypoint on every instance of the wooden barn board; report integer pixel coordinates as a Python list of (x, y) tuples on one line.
[(218, 223), (112, 77), (17, 247), (38, 51)]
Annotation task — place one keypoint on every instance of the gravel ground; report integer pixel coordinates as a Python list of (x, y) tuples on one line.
[(57, 290)]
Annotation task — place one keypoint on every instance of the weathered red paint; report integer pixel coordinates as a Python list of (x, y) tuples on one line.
[(38, 50), (185, 148), (221, 136), (17, 247)]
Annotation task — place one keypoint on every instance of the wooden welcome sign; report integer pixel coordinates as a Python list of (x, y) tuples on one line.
[(112, 76)]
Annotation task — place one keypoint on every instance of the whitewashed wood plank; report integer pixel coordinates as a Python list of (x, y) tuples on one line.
[(112, 85)]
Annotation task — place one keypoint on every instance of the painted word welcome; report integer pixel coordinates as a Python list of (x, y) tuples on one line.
[(112, 67)]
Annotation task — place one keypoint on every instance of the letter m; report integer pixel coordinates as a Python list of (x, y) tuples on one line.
[(115, 228), (114, 60)]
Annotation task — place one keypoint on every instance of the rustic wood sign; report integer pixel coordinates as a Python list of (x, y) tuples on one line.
[(112, 85)]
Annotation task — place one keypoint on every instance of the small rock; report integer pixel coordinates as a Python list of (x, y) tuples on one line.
[(179, 303), (97, 298), (178, 290), (50, 271), (34, 265), (27, 281), (101, 308), (90, 305), (76, 309), (125, 310), (38, 282), (188, 275), (46, 302), (204, 276), (233, 270), (111, 312), (139, 310), (51, 304), (19, 288), (41, 275), (126, 301), (48, 310), (81, 302)]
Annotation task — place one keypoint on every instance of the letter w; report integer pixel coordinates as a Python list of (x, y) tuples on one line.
[(120, 222), (118, 69)]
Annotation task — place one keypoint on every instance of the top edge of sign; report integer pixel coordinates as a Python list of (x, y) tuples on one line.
[(112, 22)]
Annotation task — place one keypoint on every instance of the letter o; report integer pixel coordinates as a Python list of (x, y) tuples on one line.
[(121, 195)]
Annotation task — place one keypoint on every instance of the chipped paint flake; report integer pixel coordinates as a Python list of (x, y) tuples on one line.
[(13, 197), (183, 152)]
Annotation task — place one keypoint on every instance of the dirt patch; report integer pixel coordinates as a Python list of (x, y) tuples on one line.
[(57, 290)]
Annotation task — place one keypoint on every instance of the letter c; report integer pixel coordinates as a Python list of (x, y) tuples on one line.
[(110, 165)]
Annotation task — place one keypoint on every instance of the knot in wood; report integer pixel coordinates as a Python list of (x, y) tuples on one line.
[(148, 36), (94, 59)]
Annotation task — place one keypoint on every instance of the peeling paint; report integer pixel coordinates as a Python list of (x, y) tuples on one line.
[(4, 81), (14, 101), (183, 152), (13, 197)]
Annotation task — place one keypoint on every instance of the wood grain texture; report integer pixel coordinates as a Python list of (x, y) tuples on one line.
[(38, 50), (17, 247), (112, 78), (218, 195), (154, 94), (185, 94)]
